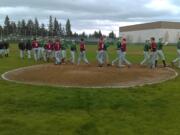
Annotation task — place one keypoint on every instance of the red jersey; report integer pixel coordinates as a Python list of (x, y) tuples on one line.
[(153, 46), (82, 46), (35, 44), (101, 45), (57, 46), (49, 46), (123, 46)]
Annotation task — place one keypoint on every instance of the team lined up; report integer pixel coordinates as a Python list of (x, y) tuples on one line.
[(154, 51), (56, 50), (52, 50)]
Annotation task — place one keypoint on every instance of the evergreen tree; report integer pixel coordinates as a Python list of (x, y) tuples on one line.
[(36, 27), (100, 34), (56, 28), (75, 35), (30, 27), (43, 30), (23, 28), (83, 35), (1, 31), (96, 34), (68, 29), (61, 32), (13, 28), (50, 26), (7, 26), (19, 28), (112, 35)]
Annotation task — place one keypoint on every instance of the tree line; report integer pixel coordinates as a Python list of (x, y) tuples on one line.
[(34, 28)]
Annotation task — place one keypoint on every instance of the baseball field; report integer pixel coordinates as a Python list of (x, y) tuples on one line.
[(47, 110)]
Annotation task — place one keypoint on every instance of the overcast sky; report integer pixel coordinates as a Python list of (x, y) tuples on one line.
[(90, 15)]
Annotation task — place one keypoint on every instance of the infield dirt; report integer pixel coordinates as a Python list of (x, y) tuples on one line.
[(89, 75)]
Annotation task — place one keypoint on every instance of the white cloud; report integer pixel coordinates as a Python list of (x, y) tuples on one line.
[(92, 15), (163, 5), (14, 10)]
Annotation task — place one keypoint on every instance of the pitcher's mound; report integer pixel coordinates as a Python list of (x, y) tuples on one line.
[(89, 76)]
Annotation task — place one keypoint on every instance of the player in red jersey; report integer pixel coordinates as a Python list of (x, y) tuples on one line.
[(153, 54), (82, 55), (57, 49), (100, 54), (49, 47), (35, 46), (123, 52)]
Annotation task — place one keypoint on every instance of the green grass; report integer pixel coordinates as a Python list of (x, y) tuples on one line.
[(38, 110)]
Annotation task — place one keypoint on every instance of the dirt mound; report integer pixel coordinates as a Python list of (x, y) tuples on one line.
[(89, 76)]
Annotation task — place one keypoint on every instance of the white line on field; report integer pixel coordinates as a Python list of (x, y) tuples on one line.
[(3, 76)]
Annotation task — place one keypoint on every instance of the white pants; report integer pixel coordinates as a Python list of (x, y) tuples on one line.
[(57, 57), (146, 58), (72, 59), (177, 60), (123, 58), (100, 57), (160, 55), (106, 57), (118, 58), (1, 52), (29, 54), (48, 54), (82, 56), (41, 52), (63, 54), (36, 54), (6, 51), (52, 54), (21, 54), (153, 57)]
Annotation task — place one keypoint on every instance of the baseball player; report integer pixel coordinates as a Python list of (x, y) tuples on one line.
[(82, 55), (146, 53), (28, 48), (123, 54), (106, 55), (6, 48), (42, 43), (1, 48), (160, 53), (53, 50), (35, 45), (118, 58), (100, 55), (64, 47), (73, 51), (57, 48), (49, 48), (153, 54), (22, 48), (177, 60)]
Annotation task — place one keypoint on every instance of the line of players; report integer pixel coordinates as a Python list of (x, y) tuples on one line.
[(47, 49), (52, 50), (4, 48), (154, 51), (57, 50)]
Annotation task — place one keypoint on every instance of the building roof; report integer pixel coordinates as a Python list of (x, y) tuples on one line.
[(153, 25)]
